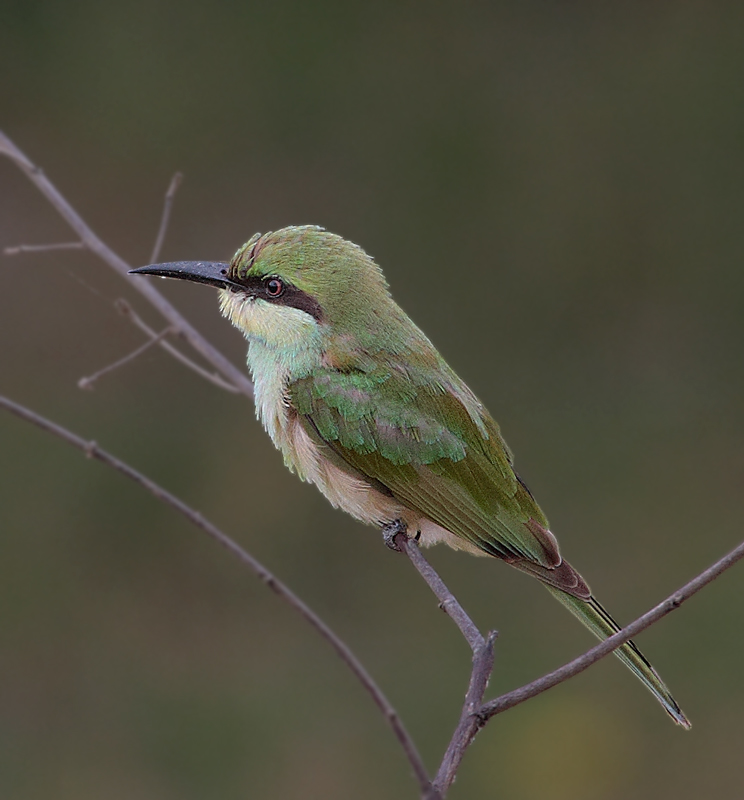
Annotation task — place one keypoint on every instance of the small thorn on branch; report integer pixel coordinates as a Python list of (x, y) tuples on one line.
[(14, 250)]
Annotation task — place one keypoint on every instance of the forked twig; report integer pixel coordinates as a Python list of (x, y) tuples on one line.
[(126, 310), (482, 649), (210, 353), (476, 714), (87, 382), (466, 730)]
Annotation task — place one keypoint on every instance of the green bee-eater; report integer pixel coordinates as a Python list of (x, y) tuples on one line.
[(361, 404)]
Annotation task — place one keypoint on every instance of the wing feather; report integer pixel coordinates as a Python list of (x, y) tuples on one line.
[(434, 448)]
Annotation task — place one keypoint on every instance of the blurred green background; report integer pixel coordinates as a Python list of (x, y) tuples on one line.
[(555, 192)]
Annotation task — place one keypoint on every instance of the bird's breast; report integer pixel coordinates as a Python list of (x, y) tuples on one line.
[(303, 455)]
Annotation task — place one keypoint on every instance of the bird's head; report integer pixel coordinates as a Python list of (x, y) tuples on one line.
[(298, 286)]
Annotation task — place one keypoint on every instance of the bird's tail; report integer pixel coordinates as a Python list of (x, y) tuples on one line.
[(601, 624)]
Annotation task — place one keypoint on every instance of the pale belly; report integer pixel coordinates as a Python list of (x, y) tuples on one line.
[(356, 496)]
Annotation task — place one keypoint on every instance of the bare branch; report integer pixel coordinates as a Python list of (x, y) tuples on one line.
[(146, 288), (92, 450), (447, 601), (469, 723), (126, 310), (87, 382), (474, 715), (167, 206), (42, 248), (482, 648), (674, 601)]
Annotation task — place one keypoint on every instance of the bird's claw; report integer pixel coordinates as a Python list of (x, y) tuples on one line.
[(391, 530)]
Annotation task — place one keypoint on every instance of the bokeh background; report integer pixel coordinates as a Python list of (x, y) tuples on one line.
[(555, 192)]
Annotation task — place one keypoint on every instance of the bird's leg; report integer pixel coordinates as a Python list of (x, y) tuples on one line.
[(392, 529)]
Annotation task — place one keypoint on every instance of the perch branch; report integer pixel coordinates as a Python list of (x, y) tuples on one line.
[(447, 601), (468, 724), (92, 450), (230, 372), (482, 650), (476, 714)]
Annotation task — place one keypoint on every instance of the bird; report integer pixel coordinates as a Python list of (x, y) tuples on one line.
[(361, 404)]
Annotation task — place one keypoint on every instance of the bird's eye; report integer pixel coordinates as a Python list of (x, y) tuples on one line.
[(274, 287)]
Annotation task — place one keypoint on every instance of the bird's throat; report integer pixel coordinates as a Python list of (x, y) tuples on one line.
[(273, 368), (283, 328)]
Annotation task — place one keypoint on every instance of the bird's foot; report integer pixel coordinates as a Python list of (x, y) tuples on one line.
[(391, 530)]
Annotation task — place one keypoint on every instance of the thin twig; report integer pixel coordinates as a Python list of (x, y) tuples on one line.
[(14, 250), (167, 206), (447, 601), (146, 288), (126, 310), (674, 601), (87, 382), (92, 450)]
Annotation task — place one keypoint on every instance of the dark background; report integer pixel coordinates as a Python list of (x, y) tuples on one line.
[(555, 193)]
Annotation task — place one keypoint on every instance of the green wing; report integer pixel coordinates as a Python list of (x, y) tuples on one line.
[(434, 448)]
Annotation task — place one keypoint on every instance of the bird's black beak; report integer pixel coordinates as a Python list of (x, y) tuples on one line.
[(213, 273)]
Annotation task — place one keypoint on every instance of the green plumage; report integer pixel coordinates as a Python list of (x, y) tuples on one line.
[(332, 351), (420, 442)]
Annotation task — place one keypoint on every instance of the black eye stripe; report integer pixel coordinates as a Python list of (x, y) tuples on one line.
[(287, 296)]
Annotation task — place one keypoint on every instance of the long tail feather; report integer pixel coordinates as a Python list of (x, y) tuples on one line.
[(601, 624)]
